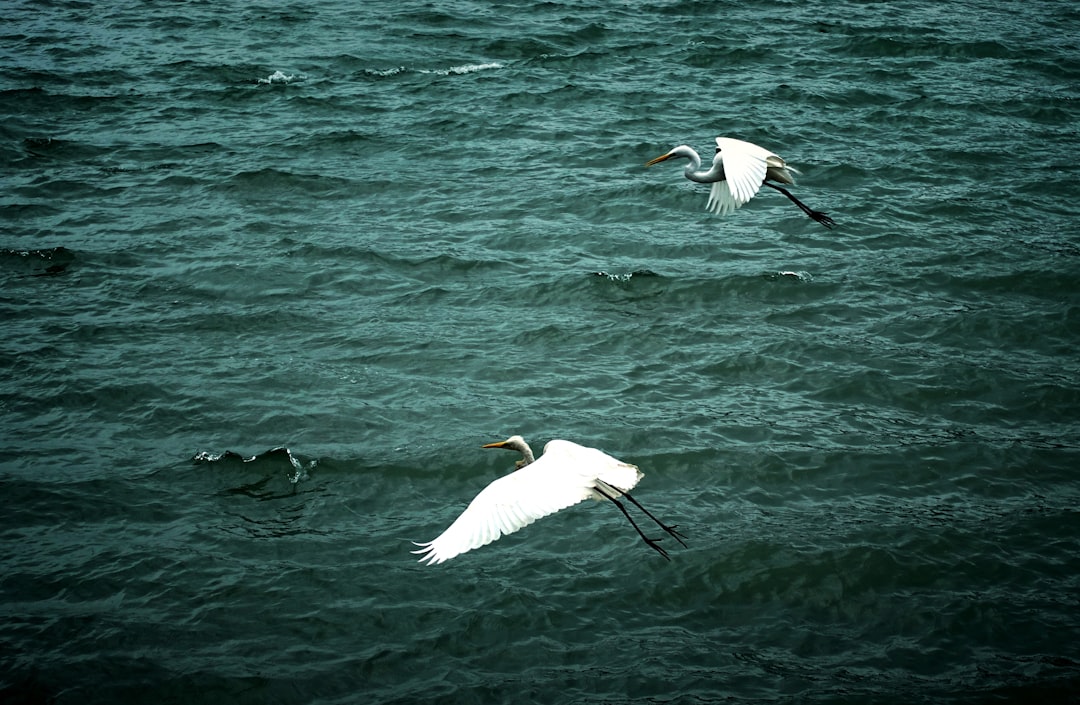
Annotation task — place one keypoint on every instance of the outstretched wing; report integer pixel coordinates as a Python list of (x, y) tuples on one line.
[(745, 165), (563, 476)]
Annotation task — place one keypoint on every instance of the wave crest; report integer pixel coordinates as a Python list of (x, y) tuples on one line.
[(295, 471), (461, 70), (281, 77)]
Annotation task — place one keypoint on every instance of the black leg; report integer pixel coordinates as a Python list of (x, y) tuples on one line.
[(814, 215), (670, 529), (652, 543)]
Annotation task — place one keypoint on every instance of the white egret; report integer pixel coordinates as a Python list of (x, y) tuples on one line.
[(738, 172), (566, 473)]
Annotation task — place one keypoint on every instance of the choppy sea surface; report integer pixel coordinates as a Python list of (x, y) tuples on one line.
[(270, 275)]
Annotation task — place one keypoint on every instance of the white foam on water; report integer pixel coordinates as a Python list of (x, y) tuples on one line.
[(281, 77), (386, 72), (464, 69), (452, 71)]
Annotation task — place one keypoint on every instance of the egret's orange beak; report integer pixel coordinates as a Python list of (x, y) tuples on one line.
[(659, 159), (500, 444)]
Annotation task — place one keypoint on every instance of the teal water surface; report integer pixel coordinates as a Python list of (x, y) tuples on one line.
[(271, 275)]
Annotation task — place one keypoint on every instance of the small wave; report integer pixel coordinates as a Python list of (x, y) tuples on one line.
[(627, 276), (385, 73), (452, 71), (789, 274), (299, 470), (464, 69), (281, 77), (46, 262)]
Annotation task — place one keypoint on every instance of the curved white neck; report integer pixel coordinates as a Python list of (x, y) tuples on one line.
[(693, 171)]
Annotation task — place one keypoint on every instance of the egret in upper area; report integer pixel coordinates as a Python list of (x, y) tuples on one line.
[(738, 172), (567, 473)]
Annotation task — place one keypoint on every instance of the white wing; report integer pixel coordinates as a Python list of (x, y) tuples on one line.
[(563, 476), (589, 464), (744, 170)]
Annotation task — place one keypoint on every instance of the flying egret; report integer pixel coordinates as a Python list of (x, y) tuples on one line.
[(738, 172), (566, 473)]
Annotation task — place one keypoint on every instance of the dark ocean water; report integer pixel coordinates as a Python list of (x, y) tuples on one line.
[(271, 275)]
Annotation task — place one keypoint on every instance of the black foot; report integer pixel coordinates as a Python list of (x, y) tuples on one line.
[(654, 544), (675, 534), (822, 218)]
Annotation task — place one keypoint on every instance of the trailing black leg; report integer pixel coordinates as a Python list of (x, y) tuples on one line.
[(670, 529), (652, 543), (820, 217)]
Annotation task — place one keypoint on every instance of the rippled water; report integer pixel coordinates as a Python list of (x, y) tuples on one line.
[(272, 275)]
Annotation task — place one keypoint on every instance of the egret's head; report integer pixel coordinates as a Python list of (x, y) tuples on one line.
[(515, 443), (511, 443), (681, 151)]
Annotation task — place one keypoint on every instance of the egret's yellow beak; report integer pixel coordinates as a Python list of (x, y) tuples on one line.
[(659, 159), (500, 444)]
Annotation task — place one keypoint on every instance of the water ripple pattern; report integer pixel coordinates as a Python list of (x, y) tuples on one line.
[(270, 275)]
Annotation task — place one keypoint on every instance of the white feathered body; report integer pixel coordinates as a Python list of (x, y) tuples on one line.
[(744, 167), (566, 474)]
